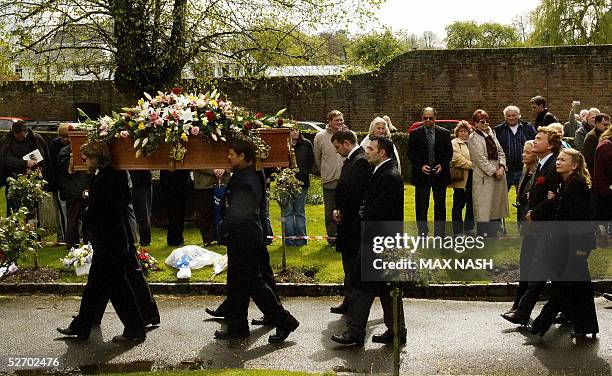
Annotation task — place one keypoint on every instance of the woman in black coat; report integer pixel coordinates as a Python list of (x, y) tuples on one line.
[(573, 240)]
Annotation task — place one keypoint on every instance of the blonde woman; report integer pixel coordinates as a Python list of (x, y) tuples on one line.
[(380, 128), (558, 127), (489, 189), (462, 189)]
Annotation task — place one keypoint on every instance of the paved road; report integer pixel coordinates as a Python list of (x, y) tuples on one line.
[(445, 337)]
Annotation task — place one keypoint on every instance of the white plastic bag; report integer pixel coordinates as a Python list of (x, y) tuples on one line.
[(183, 273), (195, 257)]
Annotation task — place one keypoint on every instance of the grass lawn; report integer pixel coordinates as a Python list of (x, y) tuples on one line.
[(325, 260), (226, 372)]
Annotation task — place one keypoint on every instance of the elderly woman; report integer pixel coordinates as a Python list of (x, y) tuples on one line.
[(489, 188), (558, 127), (380, 128), (461, 167)]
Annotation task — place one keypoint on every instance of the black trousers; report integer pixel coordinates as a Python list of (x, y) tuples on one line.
[(462, 198), (106, 283), (74, 207), (245, 281), (421, 201), (267, 274), (348, 265), (174, 187), (142, 199), (205, 207), (359, 311)]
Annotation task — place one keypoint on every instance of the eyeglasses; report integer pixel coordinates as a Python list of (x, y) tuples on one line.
[(428, 117), (483, 121)]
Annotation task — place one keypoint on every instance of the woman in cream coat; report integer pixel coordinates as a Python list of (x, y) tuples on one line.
[(489, 189), (462, 189)]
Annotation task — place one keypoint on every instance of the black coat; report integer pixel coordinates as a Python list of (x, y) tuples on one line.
[(70, 185), (355, 174), (418, 155), (241, 226), (106, 217), (304, 156), (384, 197), (12, 165), (547, 179)]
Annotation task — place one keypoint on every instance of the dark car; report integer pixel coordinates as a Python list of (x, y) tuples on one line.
[(6, 122), (44, 126), (447, 124)]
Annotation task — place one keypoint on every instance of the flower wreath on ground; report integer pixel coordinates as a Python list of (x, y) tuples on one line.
[(171, 118), (147, 262)]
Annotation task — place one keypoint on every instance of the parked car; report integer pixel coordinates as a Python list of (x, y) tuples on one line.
[(6, 122), (44, 126), (447, 124), (313, 126)]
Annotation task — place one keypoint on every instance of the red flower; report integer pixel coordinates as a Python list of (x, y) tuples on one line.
[(177, 90), (540, 180), (259, 115), (280, 121), (248, 126), (210, 116)]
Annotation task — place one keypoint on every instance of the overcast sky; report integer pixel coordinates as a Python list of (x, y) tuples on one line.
[(433, 15)]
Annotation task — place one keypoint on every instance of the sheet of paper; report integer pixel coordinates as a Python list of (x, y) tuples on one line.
[(33, 156)]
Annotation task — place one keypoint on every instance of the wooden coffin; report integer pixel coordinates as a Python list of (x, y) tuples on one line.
[(200, 154)]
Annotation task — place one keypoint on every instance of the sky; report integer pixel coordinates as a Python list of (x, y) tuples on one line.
[(433, 15)]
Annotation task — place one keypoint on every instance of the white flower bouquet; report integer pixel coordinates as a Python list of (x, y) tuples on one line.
[(79, 259)]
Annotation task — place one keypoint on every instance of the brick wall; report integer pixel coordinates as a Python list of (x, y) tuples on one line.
[(456, 82)]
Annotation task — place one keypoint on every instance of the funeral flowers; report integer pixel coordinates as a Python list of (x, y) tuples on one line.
[(79, 259), (147, 262)]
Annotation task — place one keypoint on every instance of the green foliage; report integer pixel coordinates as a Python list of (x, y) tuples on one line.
[(376, 48), (27, 190), (572, 22), (17, 236), (286, 187), (469, 34)]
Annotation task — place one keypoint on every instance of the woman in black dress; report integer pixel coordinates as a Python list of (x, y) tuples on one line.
[(573, 240)]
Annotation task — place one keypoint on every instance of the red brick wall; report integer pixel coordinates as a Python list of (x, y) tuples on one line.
[(456, 82)]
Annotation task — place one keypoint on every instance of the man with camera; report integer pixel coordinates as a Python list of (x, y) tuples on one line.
[(430, 151)]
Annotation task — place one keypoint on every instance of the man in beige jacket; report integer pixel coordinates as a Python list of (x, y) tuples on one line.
[(329, 163)]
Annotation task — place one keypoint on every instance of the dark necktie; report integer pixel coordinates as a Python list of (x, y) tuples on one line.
[(431, 146)]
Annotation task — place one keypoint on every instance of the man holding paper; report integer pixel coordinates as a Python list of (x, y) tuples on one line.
[(21, 149)]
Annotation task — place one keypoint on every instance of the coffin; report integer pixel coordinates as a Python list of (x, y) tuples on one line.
[(200, 154)]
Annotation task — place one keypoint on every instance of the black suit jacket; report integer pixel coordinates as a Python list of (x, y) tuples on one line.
[(384, 198), (350, 191), (547, 179), (241, 226), (106, 217), (418, 155)]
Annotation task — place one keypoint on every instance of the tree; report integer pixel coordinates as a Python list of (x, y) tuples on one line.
[(572, 22), (375, 49), (468, 34), (149, 42)]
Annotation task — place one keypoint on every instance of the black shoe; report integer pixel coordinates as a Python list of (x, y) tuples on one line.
[(562, 319), (387, 338), (264, 321), (511, 310), (582, 336), (340, 310), (535, 331), (214, 313), (282, 332), (128, 339), (515, 318), (71, 333), (607, 296), (347, 339), (220, 334)]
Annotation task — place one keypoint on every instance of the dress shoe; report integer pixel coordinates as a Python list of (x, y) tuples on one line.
[(214, 313), (264, 321), (515, 318), (562, 319), (511, 310), (71, 333), (387, 338), (535, 331), (220, 334), (128, 339), (607, 296), (282, 332), (340, 310), (580, 335), (347, 339)]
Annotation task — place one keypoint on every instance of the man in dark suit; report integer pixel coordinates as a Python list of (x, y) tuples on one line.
[(383, 202), (355, 173), (241, 231), (535, 259), (106, 221), (430, 151)]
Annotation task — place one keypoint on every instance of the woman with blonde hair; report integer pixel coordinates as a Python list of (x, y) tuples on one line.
[(380, 128), (572, 240), (461, 176), (558, 127), (489, 189)]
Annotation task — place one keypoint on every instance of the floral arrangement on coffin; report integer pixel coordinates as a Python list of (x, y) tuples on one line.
[(79, 259), (147, 262), (172, 117)]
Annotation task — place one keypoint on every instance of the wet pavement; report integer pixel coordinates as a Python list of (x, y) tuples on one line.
[(444, 337)]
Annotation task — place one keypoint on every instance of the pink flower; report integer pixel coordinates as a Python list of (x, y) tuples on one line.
[(195, 130), (159, 121), (103, 127), (124, 134), (153, 117), (103, 133)]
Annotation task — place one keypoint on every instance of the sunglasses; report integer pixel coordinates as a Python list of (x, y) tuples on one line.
[(428, 117), (483, 121)]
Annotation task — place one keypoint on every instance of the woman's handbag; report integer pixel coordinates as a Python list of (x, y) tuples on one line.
[(457, 174)]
